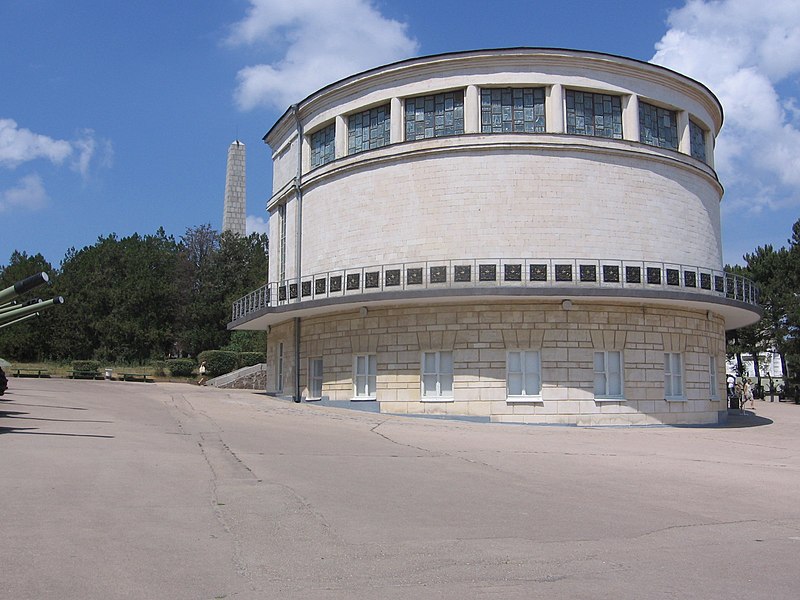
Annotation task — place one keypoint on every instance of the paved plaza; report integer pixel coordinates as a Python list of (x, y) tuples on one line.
[(128, 490)]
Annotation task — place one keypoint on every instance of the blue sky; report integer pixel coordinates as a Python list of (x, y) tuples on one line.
[(117, 116)]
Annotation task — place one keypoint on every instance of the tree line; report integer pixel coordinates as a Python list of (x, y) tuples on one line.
[(777, 273), (140, 297), (149, 296)]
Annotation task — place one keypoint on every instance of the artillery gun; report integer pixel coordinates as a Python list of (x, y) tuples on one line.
[(11, 313)]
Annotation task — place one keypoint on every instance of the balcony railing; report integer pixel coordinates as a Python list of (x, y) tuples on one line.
[(498, 273)]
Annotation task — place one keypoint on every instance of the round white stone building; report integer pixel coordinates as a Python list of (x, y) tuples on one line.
[(530, 235)]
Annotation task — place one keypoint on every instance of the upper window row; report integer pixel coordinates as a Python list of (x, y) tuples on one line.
[(505, 110)]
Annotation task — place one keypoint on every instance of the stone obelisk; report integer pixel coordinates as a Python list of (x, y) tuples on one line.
[(234, 212)]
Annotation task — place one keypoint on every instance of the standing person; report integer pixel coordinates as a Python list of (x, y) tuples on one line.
[(731, 386), (3, 382), (202, 370), (747, 394)]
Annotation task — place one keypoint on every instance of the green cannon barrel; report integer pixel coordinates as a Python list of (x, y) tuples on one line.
[(25, 318), (22, 286), (13, 315), (14, 306)]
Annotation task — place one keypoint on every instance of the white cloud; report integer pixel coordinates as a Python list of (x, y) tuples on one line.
[(256, 225), (22, 145), (28, 194), (19, 145), (748, 53), (323, 41)]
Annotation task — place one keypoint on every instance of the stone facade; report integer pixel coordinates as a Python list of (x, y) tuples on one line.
[(480, 335), (437, 222)]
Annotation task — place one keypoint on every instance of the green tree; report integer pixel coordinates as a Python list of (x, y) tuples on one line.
[(750, 340), (769, 268), (140, 297), (792, 341), (222, 268), (777, 273), (124, 299), (27, 340)]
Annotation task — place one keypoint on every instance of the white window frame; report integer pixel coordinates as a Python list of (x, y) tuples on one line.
[(527, 395), (369, 376), (439, 394), (279, 369), (674, 377), (314, 377), (605, 395), (713, 382), (282, 244)]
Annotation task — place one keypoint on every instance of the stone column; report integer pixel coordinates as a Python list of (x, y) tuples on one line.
[(397, 122), (472, 110), (305, 153), (684, 135), (340, 141), (554, 109), (710, 143), (630, 118)]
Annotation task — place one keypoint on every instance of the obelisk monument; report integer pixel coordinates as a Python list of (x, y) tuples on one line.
[(234, 212)]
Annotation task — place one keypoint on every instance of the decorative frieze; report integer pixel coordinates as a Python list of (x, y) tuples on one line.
[(563, 272), (588, 274), (487, 272)]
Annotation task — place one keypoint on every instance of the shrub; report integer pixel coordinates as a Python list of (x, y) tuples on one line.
[(181, 367), (218, 362), (247, 359), (159, 367), (90, 366)]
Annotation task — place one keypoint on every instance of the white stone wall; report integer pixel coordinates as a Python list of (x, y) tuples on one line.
[(555, 70), (480, 335), (502, 196), (500, 202)]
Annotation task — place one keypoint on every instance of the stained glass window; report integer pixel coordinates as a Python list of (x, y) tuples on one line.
[(698, 141), (322, 145), (512, 110), (368, 129), (658, 126), (597, 115), (435, 116)]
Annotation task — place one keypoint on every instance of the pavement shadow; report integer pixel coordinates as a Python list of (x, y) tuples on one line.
[(748, 419), (22, 416), (35, 431)]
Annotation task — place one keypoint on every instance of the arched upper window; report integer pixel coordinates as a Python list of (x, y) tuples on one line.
[(368, 129), (323, 145), (512, 110), (593, 114), (697, 138), (658, 126), (436, 115)]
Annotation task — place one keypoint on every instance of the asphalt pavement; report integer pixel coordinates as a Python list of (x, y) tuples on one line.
[(129, 490)]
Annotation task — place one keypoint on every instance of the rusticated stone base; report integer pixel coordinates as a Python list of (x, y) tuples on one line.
[(480, 336)]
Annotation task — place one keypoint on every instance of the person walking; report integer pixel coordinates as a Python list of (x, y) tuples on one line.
[(202, 370), (747, 394)]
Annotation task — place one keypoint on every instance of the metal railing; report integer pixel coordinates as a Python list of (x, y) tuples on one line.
[(498, 273)]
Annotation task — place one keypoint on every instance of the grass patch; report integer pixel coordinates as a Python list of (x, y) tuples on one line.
[(62, 369)]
